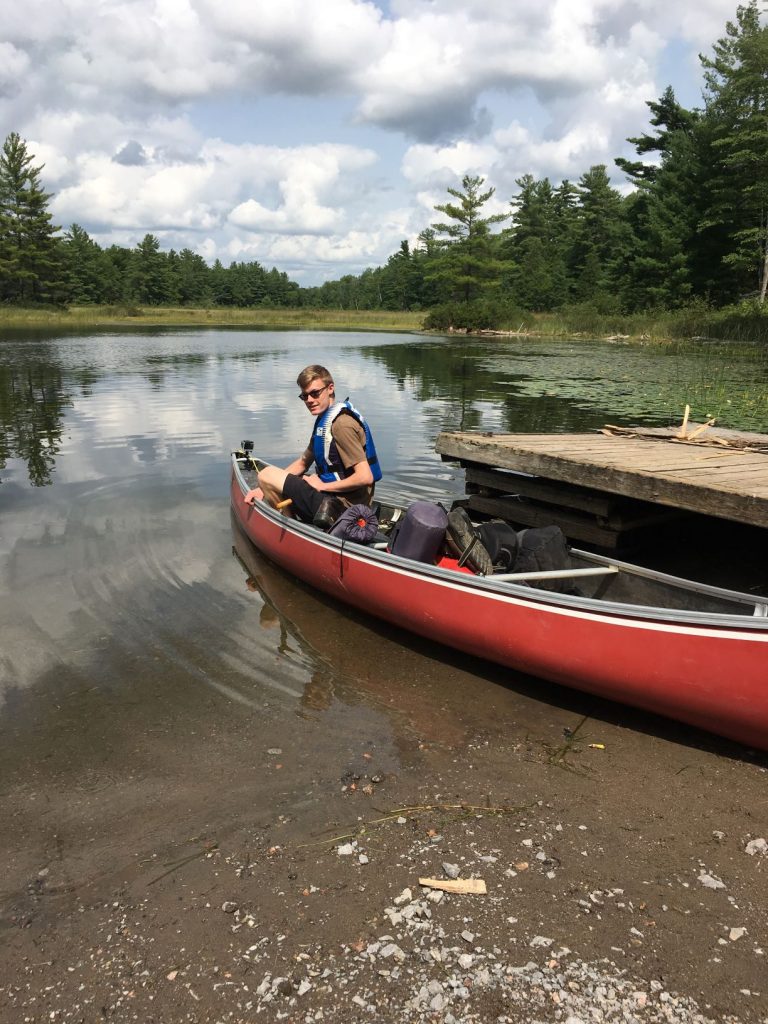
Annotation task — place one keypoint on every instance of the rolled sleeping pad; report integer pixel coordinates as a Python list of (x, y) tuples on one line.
[(422, 532)]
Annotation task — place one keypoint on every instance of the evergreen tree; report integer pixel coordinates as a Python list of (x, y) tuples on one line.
[(193, 279), (670, 118), (116, 262), (736, 78), (84, 267), (30, 268), (149, 276), (665, 211), (398, 283), (425, 255), (468, 265), (601, 241), (538, 242)]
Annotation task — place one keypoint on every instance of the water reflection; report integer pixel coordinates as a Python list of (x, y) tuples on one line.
[(357, 660), (32, 403)]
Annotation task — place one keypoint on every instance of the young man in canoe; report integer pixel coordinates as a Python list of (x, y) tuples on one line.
[(341, 446)]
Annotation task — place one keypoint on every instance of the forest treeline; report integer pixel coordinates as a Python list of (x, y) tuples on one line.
[(693, 229)]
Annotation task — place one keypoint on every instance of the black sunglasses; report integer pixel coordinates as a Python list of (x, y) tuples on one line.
[(306, 395)]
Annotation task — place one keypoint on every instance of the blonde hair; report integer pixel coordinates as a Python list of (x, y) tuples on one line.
[(315, 372)]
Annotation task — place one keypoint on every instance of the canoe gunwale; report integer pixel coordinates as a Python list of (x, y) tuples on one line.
[(742, 623)]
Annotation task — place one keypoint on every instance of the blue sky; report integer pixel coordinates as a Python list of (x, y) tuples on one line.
[(315, 135)]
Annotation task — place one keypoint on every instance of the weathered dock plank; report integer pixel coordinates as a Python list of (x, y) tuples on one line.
[(714, 481)]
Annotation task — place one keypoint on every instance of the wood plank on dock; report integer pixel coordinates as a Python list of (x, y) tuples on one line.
[(725, 483)]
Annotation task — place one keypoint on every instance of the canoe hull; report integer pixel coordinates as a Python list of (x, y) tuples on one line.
[(713, 677)]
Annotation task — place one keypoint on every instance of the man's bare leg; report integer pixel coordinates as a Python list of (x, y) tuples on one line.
[(271, 482)]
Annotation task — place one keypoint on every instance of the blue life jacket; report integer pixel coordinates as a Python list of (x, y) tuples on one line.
[(329, 464)]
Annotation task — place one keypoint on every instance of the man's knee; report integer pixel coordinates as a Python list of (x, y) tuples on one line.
[(272, 478)]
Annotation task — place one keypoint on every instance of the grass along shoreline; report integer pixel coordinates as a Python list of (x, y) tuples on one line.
[(746, 323), (78, 317)]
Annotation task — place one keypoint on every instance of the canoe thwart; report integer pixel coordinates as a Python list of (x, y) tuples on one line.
[(553, 574)]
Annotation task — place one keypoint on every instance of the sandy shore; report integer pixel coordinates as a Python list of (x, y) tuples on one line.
[(625, 877)]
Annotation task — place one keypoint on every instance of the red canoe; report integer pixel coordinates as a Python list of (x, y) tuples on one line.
[(689, 651)]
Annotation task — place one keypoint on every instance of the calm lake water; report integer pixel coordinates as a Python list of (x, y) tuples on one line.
[(125, 613)]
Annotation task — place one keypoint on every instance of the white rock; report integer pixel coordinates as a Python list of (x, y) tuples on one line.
[(346, 850), (392, 950), (710, 881), (468, 936), (405, 897), (736, 933), (451, 870), (362, 859), (756, 846), (540, 940), (304, 987), (466, 960)]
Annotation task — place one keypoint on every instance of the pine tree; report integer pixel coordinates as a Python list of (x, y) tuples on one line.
[(30, 269), (84, 267), (192, 279), (736, 96), (666, 209), (536, 245), (398, 284), (602, 240), (149, 276), (670, 118), (468, 264)]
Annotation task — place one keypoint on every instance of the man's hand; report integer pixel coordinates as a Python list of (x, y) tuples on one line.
[(315, 481), (253, 495)]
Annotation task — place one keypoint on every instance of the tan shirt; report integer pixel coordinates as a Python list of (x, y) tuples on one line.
[(350, 444)]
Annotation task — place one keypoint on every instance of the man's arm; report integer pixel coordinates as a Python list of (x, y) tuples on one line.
[(300, 466), (361, 476)]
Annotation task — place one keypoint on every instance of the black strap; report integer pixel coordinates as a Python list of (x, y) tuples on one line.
[(467, 552)]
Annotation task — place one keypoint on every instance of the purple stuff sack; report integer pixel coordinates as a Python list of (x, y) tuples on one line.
[(422, 532), (357, 523)]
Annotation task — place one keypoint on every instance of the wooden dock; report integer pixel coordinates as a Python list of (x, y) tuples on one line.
[(601, 488)]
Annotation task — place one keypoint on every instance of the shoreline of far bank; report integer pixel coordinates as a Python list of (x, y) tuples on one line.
[(84, 317), (661, 329)]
